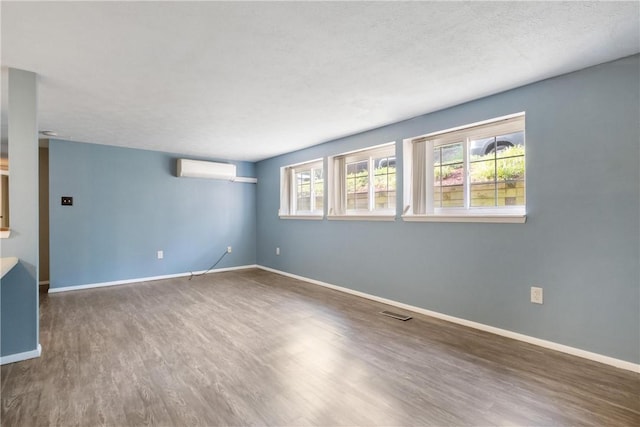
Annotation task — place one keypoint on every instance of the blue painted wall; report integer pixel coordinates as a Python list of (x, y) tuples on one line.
[(580, 243), (128, 204), (19, 288)]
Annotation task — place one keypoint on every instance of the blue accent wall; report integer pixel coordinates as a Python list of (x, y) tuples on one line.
[(580, 242), (128, 204)]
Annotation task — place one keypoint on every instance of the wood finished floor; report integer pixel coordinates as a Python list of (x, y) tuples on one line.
[(256, 348)]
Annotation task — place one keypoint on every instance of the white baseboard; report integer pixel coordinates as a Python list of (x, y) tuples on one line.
[(18, 357), (623, 364), (43, 282), (144, 279)]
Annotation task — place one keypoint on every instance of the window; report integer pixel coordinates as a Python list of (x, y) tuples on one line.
[(363, 184), (473, 173), (302, 190)]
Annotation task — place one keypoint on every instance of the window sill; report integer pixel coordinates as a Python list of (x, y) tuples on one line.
[(305, 217), (487, 218), (361, 217)]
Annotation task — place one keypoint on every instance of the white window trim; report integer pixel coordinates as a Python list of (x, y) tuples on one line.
[(287, 192), (303, 216), (480, 128), (358, 215), (478, 214), (513, 218)]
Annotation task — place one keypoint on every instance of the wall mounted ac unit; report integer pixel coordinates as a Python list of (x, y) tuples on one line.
[(202, 169)]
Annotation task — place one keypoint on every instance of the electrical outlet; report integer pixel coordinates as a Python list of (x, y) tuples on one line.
[(277, 251), (228, 249), (160, 254), (536, 295)]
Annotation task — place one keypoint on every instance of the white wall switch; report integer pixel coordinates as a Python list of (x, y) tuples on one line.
[(228, 249), (277, 251), (536, 295), (160, 254)]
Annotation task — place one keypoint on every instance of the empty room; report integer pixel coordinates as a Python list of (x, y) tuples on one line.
[(320, 213)]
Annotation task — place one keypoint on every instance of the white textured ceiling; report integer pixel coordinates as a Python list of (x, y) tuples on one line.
[(248, 81)]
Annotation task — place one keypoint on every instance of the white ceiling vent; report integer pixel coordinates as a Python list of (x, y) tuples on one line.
[(200, 169)]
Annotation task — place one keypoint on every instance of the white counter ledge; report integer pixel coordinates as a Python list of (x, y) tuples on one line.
[(7, 264)]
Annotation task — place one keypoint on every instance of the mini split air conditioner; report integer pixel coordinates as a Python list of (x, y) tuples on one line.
[(201, 169)]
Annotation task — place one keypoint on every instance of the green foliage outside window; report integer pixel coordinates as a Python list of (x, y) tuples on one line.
[(384, 180), (510, 166)]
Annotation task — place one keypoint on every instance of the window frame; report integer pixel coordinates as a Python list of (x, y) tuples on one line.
[(462, 134), (288, 190), (334, 192)]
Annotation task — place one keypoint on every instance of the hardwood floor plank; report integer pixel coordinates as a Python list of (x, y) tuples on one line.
[(20, 409), (255, 348)]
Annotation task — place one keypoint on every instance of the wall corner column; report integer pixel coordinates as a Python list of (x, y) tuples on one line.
[(19, 327)]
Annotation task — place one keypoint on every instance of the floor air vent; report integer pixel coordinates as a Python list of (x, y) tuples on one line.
[(396, 315)]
